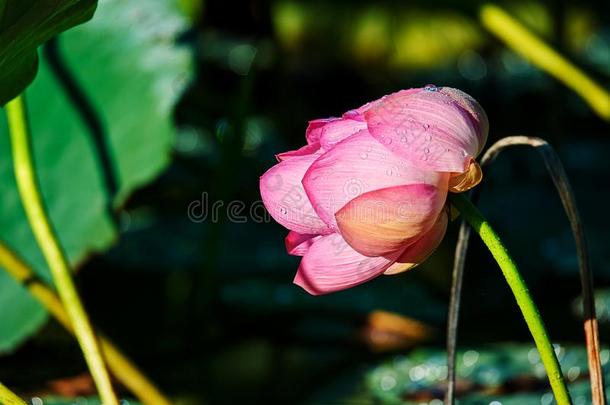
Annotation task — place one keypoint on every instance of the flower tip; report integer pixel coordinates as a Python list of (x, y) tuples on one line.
[(304, 282)]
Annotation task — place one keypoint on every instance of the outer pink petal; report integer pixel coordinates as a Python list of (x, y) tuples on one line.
[(358, 113), (355, 166), (435, 130), (332, 265), (283, 195), (419, 251), (336, 131), (297, 244), (305, 150), (314, 129), (383, 221), (477, 114)]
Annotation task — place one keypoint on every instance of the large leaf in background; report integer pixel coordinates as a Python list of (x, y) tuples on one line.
[(127, 62), (21, 315), (24, 25)]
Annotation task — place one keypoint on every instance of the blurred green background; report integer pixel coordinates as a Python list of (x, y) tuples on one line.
[(189, 98)]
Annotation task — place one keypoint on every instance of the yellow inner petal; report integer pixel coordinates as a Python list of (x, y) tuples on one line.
[(461, 182)]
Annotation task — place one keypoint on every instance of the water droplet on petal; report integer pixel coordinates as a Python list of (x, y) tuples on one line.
[(363, 155), (404, 139), (387, 140), (426, 150), (430, 87), (426, 126), (389, 172), (428, 138), (283, 210)]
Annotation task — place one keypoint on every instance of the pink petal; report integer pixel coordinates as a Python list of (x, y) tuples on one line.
[(314, 129), (332, 265), (477, 114), (383, 221), (358, 113), (355, 166), (434, 130), (336, 131), (420, 250), (297, 244), (305, 150), (283, 195)]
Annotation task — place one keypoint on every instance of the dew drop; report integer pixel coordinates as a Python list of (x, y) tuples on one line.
[(387, 140), (428, 138), (426, 126), (283, 210), (369, 149), (426, 150), (363, 155), (404, 139), (430, 87), (389, 172)]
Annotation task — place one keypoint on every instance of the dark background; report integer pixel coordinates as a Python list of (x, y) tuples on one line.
[(209, 309)]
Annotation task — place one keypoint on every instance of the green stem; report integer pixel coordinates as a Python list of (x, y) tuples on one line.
[(48, 241), (122, 368), (8, 397), (519, 288)]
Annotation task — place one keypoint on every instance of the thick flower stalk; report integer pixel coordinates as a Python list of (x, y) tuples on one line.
[(367, 195)]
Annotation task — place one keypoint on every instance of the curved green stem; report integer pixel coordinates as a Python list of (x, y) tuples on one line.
[(519, 288), (8, 397), (524, 42), (44, 233), (122, 368)]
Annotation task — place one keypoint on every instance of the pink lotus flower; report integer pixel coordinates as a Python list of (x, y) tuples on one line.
[(366, 195)]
